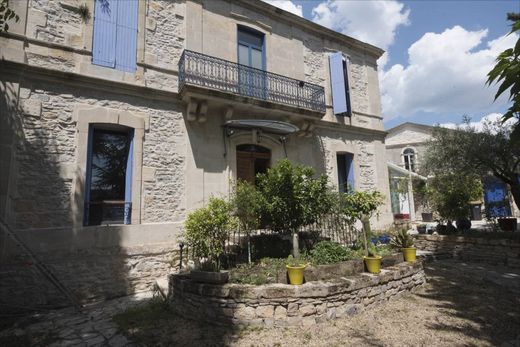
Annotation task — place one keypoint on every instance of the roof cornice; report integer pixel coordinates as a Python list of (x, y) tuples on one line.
[(288, 17)]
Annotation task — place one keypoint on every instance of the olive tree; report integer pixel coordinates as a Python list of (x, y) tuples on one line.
[(468, 151)]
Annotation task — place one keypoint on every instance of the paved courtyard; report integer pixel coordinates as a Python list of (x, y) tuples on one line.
[(463, 304)]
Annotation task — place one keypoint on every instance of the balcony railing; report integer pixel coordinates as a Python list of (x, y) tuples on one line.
[(213, 73)]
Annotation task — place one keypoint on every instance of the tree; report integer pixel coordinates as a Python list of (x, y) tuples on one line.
[(6, 14), (247, 204), (466, 151), (507, 73), (450, 194), (293, 197)]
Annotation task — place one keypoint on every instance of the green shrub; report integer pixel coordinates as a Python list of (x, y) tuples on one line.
[(207, 229), (402, 239), (293, 197), (328, 252)]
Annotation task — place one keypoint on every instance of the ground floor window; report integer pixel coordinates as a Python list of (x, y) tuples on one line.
[(345, 163), (108, 198), (252, 160)]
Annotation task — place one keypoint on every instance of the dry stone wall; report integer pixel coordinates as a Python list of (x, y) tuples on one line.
[(491, 251), (91, 275), (287, 305)]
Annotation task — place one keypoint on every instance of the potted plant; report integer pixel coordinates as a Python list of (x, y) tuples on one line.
[(361, 206), (372, 259), (404, 241), (421, 228), (206, 232), (295, 270)]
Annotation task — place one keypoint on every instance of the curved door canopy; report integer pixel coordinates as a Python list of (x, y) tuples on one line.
[(252, 160)]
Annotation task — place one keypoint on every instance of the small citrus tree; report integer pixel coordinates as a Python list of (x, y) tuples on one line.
[(361, 206), (247, 205), (293, 197), (207, 230)]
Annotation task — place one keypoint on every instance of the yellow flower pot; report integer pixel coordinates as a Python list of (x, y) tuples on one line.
[(409, 254), (373, 264), (295, 274)]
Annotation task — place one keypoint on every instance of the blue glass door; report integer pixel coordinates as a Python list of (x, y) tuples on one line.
[(496, 199), (251, 57)]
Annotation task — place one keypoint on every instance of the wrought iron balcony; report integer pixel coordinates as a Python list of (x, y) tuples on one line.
[(213, 73)]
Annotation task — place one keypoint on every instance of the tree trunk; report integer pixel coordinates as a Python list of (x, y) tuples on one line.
[(295, 245), (366, 230)]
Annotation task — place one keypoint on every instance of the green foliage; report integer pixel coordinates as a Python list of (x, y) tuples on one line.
[(450, 194), (402, 239), (265, 271), (6, 14), (328, 252), (372, 250), (358, 205), (247, 203), (466, 152), (207, 229), (506, 73), (292, 195)]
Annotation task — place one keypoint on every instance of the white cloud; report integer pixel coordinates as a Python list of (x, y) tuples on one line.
[(446, 73), (374, 22), (490, 118), (287, 5)]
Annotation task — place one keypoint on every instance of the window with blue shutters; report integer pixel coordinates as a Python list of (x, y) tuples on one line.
[(115, 34), (345, 163), (339, 84)]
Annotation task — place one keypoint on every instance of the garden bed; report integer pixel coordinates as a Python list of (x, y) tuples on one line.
[(278, 304)]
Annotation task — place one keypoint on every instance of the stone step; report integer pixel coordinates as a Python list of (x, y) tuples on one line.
[(161, 285)]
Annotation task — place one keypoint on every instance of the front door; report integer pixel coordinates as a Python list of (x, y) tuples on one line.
[(496, 199), (252, 160)]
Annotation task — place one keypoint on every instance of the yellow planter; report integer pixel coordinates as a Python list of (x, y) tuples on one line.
[(295, 274), (409, 254), (373, 264)]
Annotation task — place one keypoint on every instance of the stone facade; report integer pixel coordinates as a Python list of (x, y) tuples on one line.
[(51, 93), (475, 249), (288, 305)]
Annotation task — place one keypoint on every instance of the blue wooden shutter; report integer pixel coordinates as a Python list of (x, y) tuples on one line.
[(126, 41), (104, 41), (128, 180), (338, 83), (351, 180)]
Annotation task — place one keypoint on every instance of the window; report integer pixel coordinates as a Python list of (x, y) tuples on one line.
[(109, 176), (339, 84), (115, 34), (345, 163), (409, 159), (250, 45), (252, 160)]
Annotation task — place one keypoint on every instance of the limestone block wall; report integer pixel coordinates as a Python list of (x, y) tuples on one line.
[(287, 305), (47, 152), (491, 251), (92, 275)]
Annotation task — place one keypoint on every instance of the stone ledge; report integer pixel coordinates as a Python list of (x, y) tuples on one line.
[(287, 305)]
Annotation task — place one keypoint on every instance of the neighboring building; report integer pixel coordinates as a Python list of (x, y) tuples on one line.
[(114, 127), (406, 146)]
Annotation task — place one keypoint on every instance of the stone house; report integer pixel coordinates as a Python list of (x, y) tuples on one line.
[(406, 146), (120, 117)]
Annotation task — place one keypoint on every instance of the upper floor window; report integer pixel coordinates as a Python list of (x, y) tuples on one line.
[(115, 34), (339, 83), (409, 159), (345, 163), (251, 48)]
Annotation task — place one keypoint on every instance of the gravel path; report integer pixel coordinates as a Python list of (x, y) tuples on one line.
[(463, 304)]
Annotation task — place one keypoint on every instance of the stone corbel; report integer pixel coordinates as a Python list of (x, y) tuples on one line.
[(191, 110), (306, 129), (203, 109), (228, 114)]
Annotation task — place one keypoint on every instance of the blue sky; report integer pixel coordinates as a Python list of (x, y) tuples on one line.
[(438, 52)]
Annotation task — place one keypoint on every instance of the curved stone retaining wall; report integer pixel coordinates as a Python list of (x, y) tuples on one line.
[(478, 249), (287, 305)]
